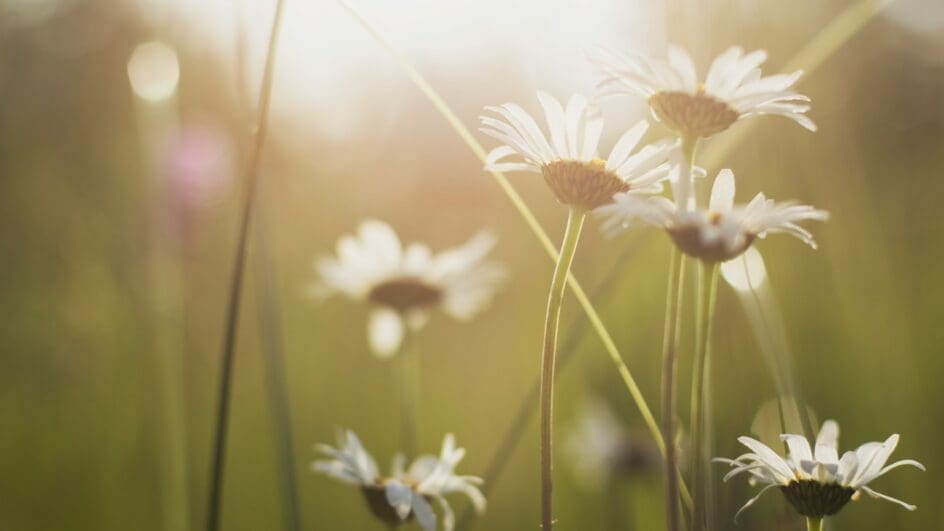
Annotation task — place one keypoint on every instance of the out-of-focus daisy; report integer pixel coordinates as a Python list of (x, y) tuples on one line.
[(816, 481), (406, 494), (404, 284), (569, 161), (733, 89), (721, 232), (601, 448)]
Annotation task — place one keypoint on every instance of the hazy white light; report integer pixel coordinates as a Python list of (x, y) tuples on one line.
[(153, 71), (745, 271), (323, 51), (925, 17)]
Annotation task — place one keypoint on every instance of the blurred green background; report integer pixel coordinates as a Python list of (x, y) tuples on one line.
[(119, 221)]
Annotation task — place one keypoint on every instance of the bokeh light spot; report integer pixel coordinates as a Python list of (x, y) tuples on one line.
[(153, 71)]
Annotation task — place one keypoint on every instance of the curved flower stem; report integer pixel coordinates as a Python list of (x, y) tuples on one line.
[(521, 420), (670, 342), (409, 395), (707, 290), (575, 219), (814, 524), (215, 496), (534, 225)]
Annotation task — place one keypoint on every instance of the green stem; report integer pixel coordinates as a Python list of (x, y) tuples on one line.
[(687, 185), (520, 422), (670, 341), (269, 312), (575, 220), (409, 396), (707, 290), (535, 226), (254, 159), (814, 524)]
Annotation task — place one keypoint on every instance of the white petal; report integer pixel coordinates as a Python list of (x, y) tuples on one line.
[(424, 513), (827, 443), (847, 467), (625, 145), (385, 332), (591, 134), (752, 500), (799, 448), (720, 69), (575, 114), (400, 497), (903, 462), (554, 113), (769, 457), (683, 65), (381, 242), (449, 518), (876, 462), (881, 496), (722, 192)]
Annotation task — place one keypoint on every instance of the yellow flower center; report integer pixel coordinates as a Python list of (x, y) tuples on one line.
[(587, 185), (405, 293), (688, 238), (696, 115)]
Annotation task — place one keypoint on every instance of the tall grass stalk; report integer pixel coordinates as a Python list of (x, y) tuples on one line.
[(608, 344), (555, 298), (155, 119), (269, 314), (670, 344), (270, 320), (409, 378), (699, 414), (251, 178), (522, 417)]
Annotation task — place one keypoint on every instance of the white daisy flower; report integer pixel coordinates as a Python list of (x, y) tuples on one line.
[(600, 447), (404, 284), (406, 494), (816, 481), (721, 232), (569, 161), (732, 90)]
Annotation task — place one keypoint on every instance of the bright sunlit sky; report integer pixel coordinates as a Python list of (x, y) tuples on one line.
[(328, 65)]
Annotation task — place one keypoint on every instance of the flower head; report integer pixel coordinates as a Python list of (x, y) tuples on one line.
[(404, 284), (406, 494), (733, 89), (815, 480), (721, 232), (601, 448), (569, 161)]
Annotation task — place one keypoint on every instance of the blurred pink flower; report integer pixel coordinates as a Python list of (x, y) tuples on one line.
[(196, 165)]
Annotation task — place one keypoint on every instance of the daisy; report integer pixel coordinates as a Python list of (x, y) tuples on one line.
[(569, 160), (403, 285), (732, 90), (600, 448), (816, 481), (406, 494), (721, 232)]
